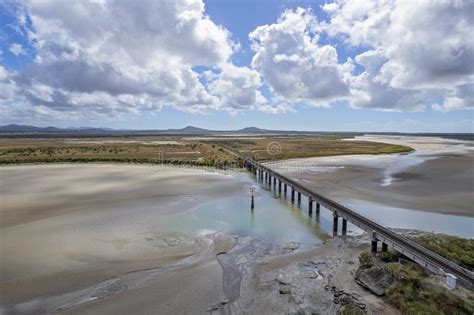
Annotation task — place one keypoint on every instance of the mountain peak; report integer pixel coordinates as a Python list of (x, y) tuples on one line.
[(192, 128), (252, 130)]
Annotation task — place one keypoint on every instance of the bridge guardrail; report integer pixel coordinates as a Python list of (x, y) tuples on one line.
[(370, 224)]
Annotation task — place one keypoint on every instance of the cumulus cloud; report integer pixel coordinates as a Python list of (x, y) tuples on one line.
[(417, 48), (7, 86), (369, 91), (17, 49), (238, 88), (294, 64), (97, 59), (122, 56), (462, 97)]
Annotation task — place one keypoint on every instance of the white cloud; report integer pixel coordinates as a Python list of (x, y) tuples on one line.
[(237, 88), (462, 97), (17, 49), (7, 87), (106, 58), (369, 91), (121, 56), (417, 50), (294, 65)]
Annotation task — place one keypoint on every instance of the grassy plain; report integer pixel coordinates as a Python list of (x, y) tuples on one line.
[(205, 151)]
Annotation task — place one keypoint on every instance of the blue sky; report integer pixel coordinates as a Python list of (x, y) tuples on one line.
[(429, 103)]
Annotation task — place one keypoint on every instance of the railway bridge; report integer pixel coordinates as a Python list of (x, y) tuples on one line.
[(419, 254)]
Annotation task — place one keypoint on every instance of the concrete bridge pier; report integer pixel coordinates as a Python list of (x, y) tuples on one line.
[(373, 245), (344, 226), (279, 186), (334, 223), (418, 254), (310, 206), (274, 181), (285, 188)]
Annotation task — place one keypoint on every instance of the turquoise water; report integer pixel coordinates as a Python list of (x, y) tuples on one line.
[(273, 219), (277, 221)]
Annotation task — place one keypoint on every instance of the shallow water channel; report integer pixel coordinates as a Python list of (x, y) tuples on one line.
[(274, 219)]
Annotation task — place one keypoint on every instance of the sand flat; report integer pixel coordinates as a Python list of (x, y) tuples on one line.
[(66, 227), (438, 177)]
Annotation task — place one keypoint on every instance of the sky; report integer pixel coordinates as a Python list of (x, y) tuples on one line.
[(386, 65)]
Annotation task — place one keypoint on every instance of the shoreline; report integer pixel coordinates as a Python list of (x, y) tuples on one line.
[(267, 277), (435, 178)]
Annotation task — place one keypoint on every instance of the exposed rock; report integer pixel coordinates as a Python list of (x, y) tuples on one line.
[(345, 299), (374, 279), (282, 282), (292, 246), (285, 289), (218, 306)]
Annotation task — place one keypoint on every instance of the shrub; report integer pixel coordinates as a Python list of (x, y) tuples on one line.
[(352, 310), (412, 295), (366, 260), (458, 249), (388, 256)]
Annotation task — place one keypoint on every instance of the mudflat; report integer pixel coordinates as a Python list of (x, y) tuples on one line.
[(67, 228), (437, 177), (93, 239)]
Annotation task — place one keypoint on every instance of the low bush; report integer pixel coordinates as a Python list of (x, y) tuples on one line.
[(352, 310), (411, 294), (388, 256), (366, 260), (458, 249)]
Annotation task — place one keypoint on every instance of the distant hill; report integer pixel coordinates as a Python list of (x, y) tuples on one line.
[(24, 128), (14, 130), (186, 130), (88, 130), (254, 130)]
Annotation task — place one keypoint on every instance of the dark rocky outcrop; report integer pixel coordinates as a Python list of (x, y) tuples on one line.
[(374, 279)]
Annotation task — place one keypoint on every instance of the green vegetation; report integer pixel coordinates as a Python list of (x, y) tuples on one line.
[(395, 149), (287, 147), (388, 256), (352, 310), (411, 294), (366, 260), (154, 150), (459, 250), (207, 151)]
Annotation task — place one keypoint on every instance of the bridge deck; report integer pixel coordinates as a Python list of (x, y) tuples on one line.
[(418, 253)]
